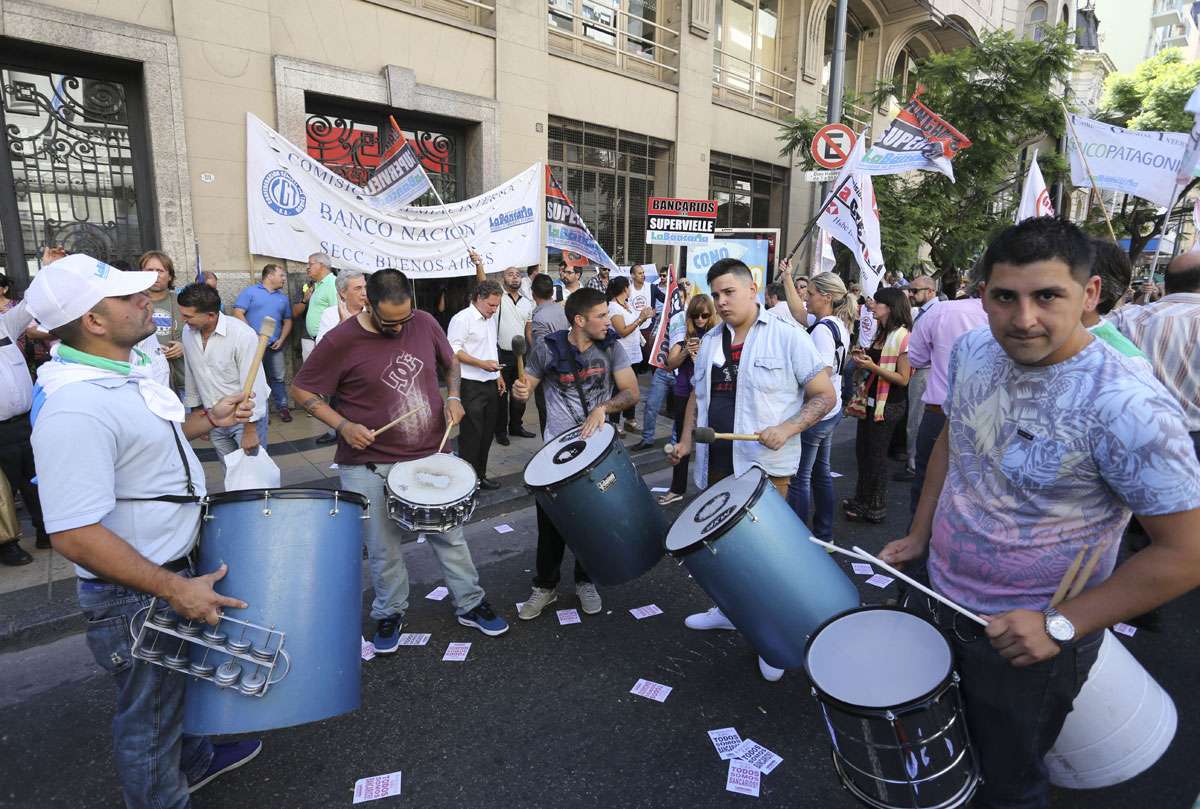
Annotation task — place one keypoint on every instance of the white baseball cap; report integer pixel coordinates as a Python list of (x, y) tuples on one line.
[(67, 289)]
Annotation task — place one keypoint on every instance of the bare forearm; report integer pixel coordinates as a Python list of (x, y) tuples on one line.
[(624, 400), (453, 377), (316, 407), (196, 424), (935, 478), (815, 408), (794, 301), (286, 331), (108, 556)]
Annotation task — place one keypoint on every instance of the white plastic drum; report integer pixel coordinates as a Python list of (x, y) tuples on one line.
[(434, 481), (1121, 723), (567, 455)]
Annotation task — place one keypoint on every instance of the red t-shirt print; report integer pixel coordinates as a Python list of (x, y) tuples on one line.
[(377, 379)]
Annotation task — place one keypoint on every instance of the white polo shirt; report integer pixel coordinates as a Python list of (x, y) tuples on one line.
[(219, 367), (473, 334), (16, 385), (512, 317)]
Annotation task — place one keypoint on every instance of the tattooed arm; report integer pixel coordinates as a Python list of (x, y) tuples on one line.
[(454, 406), (626, 397), (819, 399)]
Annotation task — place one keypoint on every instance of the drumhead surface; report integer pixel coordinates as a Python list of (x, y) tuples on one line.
[(713, 509), (878, 658), (567, 455), (432, 481)]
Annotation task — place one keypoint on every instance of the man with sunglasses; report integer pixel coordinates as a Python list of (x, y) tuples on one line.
[(382, 363), (570, 280)]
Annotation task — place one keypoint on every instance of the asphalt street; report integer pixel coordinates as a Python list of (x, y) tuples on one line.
[(543, 717)]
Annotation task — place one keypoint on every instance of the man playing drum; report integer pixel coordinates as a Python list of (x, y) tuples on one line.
[(783, 375), (120, 488), (1051, 440), (382, 364), (580, 366)]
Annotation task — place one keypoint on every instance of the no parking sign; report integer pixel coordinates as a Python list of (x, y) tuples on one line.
[(831, 146)]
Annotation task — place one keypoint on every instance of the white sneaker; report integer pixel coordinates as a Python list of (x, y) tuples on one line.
[(589, 599), (769, 672), (538, 600), (712, 619)]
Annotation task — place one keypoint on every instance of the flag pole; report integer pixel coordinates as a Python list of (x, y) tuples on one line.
[(1163, 233), (813, 222), (1091, 178)]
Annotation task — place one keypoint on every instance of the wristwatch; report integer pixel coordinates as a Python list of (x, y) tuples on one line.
[(1059, 626)]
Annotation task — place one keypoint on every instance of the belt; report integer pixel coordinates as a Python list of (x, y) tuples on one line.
[(175, 566), (19, 417), (933, 409)]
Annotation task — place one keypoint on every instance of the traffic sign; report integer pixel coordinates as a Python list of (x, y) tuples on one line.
[(831, 146)]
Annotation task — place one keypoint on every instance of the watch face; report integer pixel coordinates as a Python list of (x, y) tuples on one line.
[(1060, 628)]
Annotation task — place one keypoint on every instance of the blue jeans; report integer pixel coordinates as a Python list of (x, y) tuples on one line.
[(812, 484), (660, 385), (389, 574), (273, 368), (229, 439), (155, 759)]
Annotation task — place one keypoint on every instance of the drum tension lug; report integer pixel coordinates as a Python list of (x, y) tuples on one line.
[(266, 503), (333, 511), (710, 548), (753, 518)]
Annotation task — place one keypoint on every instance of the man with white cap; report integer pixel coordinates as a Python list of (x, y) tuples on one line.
[(120, 490)]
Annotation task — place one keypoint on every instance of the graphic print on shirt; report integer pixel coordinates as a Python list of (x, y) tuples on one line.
[(402, 375), (162, 322)]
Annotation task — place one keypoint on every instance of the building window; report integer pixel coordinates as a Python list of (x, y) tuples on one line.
[(749, 193), (1035, 21), (747, 58), (904, 73), (73, 135), (631, 35), (609, 174)]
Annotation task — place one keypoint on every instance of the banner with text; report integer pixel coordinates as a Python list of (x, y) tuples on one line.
[(400, 178), (852, 218), (918, 140), (1144, 164), (565, 228), (680, 221), (672, 309), (296, 207)]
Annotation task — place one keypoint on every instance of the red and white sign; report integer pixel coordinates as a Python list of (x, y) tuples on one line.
[(832, 144)]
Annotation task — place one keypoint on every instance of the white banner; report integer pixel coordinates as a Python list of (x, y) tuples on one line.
[(1144, 164), (852, 218), (297, 207), (1035, 199), (918, 140)]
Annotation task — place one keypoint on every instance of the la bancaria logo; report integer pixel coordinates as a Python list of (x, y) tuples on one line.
[(282, 194)]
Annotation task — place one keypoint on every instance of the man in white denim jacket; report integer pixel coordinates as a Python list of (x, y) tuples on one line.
[(756, 374)]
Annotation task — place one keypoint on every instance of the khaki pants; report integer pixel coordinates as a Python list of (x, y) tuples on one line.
[(10, 528), (781, 484)]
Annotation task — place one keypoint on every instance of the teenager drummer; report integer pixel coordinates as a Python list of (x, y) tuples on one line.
[(754, 369), (382, 364), (120, 489), (580, 367), (1051, 440)]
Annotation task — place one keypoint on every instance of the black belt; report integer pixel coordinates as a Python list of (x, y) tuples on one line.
[(175, 566)]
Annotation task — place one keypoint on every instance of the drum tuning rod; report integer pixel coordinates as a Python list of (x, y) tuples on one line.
[(397, 420), (706, 435)]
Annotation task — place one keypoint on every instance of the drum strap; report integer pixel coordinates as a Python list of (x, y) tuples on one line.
[(191, 496)]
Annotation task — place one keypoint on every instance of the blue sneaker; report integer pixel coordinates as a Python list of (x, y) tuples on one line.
[(227, 757), (387, 635), (484, 618)]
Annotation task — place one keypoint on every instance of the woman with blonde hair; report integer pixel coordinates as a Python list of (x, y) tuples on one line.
[(812, 485), (699, 317)]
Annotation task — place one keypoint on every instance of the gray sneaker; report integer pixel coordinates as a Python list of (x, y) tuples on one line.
[(589, 599), (538, 600)]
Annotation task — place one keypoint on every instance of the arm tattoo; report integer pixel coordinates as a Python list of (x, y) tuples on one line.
[(815, 408), (624, 400), (311, 403), (453, 377)]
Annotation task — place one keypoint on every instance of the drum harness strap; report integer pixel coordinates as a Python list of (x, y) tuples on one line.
[(567, 360), (191, 496)]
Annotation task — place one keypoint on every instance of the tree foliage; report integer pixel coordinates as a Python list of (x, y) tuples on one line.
[(1002, 95)]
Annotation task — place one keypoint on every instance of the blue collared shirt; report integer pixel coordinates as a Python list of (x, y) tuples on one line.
[(258, 302)]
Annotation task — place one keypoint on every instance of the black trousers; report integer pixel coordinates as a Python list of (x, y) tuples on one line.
[(539, 399), (932, 422), (16, 459), (511, 411), (481, 401), (679, 475), (871, 448), (550, 550)]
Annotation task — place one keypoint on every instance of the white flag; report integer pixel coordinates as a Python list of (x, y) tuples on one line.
[(1035, 201), (823, 258), (1144, 164), (852, 218)]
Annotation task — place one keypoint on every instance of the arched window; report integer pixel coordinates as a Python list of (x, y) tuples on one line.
[(904, 73), (1035, 21)]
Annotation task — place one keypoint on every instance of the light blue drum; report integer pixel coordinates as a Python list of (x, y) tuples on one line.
[(596, 499), (749, 551), (295, 556)]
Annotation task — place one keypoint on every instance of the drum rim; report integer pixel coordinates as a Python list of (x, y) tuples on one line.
[(471, 495), (572, 478), (734, 519), (877, 713), (285, 493)]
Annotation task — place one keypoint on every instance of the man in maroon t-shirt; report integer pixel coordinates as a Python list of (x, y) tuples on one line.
[(382, 364)]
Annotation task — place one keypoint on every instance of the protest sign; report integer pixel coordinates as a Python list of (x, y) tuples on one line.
[(565, 228), (918, 140), (400, 179), (680, 221), (1144, 164), (672, 309), (852, 218)]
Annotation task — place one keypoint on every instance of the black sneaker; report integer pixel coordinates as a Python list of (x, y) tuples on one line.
[(13, 555)]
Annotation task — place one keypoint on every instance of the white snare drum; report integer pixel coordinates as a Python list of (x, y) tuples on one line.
[(432, 494)]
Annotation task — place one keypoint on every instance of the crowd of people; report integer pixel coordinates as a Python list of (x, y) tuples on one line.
[(1030, 416)]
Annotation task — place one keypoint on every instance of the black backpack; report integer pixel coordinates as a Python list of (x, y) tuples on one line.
[(839, 349)]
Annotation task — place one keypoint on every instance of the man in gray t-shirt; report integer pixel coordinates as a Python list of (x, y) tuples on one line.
[(548, 317), (580, 367)]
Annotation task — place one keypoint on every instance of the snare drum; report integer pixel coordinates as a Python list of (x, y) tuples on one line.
[(599, 503), (885, 682), (745, 546), (432, 494)]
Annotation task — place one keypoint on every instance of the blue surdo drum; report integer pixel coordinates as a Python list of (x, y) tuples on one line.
[(294, 655), (599, 503), (749, 551)]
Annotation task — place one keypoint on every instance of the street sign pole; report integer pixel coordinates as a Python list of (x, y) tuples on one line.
[(837, 71)]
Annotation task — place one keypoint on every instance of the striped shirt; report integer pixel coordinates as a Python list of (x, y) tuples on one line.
[(1168, 331)]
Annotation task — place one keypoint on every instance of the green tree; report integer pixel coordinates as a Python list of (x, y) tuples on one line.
[(1002, 95), (1151, 98)]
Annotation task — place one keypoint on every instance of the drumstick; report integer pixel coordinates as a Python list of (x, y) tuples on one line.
[(914, 583), (397, 420), (1082, 579), (668, 449), (265, 330), (1067, 579), (446, 437), (829, 546), (705, 435), (518, 349)]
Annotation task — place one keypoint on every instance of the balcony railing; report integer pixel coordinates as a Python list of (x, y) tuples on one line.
[(855, 116), (480, 13), (742, 82), (614, 37)]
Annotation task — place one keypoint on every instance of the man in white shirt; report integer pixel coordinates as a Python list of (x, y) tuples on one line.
[(474, 336), (219, 351), (788, 391), (512, 320)]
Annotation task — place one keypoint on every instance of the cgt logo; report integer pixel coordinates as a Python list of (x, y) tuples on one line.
[(282, 194), (511, 219)]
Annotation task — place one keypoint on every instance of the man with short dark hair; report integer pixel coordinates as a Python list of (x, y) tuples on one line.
[(569, 276), (548, 317), (219, 352), (474, 335), (512, 320), (267, 299), (382, 364), (599, 280), (1051, 441)]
